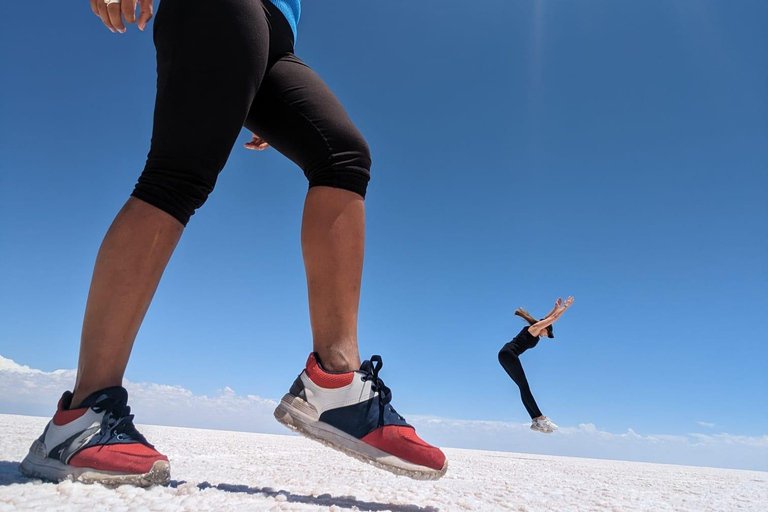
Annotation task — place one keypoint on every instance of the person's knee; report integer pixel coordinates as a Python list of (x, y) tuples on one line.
[(348, 166), (175, 191)]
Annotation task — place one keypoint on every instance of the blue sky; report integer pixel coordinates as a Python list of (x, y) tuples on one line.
[(614, 151)]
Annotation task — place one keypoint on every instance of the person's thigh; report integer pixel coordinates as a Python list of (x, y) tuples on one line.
[(511, 364), (297, 114), (211, 59)]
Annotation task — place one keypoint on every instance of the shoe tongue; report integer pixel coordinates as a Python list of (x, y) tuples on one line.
[(115, 394)]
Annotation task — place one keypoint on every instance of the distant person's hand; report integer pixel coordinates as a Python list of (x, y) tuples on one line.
[(113, 12), (551, 317), (257, 144)]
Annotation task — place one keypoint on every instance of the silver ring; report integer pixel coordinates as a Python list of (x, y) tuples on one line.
[(110, 2)]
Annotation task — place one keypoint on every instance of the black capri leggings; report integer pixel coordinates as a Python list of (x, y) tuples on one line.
[(511, 363), (227, 64)]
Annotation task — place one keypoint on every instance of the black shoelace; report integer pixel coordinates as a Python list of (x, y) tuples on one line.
[(118, 421), (371, 371)]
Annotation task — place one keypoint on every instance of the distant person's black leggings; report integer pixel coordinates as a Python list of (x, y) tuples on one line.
[(225, 64), (508, 357)]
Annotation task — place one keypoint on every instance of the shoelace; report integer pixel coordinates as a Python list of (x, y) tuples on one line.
[(118, 420), (371, 371)]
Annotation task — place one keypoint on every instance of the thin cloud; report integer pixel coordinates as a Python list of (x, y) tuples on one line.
[(705, 424), (25, 390), (587, 440)]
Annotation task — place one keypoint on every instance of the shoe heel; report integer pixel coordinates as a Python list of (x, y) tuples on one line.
[(294, 411)]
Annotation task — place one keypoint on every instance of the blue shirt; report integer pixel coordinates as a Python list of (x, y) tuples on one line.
[(291, 9)]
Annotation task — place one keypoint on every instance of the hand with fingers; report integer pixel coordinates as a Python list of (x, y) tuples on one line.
[(257, 144), (114, 12), (560, 307)]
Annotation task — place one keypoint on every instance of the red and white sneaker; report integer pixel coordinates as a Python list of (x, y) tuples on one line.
[(351, 412), (96, 442)]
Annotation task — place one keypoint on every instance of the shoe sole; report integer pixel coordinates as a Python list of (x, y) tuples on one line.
[(300, 416), (54, 470), (543, 431)]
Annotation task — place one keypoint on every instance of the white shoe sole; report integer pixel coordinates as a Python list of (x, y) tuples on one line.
[(54, 470), (542, 430), (299, 415)]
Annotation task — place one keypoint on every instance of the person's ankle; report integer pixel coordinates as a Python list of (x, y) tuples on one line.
[(81, 392), (77, 399), (339, 360)]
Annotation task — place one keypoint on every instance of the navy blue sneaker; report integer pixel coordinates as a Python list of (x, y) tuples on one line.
[(97, 442), (351, 412)]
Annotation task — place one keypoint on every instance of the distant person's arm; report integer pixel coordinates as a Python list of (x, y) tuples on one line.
[(257, 144), (554, 310), (113, 12), (551, 317)]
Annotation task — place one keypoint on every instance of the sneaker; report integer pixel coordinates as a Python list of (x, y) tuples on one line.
[(96, 443), (351, 412), (544, 425)]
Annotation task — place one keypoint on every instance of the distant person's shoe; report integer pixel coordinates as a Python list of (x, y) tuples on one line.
[(351, 412), (544, 425), (96, 443)]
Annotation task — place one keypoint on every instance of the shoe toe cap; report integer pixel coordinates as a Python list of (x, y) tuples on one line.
[(134, 458), (402, 441)]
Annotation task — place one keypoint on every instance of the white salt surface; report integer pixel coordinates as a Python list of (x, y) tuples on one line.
[(233, 471)]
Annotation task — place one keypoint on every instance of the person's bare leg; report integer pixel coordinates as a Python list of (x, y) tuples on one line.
[(128, 268), (333, 241)]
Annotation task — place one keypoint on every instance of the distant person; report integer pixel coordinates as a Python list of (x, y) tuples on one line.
[(222, 65), (509, 357)]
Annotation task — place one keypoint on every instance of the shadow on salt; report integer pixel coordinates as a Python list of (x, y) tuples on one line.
[(325, 500)]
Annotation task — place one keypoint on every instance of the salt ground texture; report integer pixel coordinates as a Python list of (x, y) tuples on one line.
[(234, 471)]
